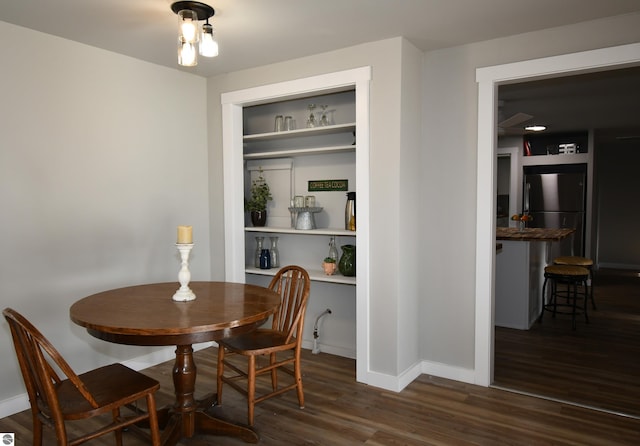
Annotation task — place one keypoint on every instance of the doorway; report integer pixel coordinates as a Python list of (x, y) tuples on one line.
[(489, 79)]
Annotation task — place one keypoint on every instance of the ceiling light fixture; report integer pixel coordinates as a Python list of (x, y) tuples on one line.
[(535, 128), (189, 34)]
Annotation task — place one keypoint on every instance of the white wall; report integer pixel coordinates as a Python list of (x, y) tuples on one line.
[(99, 162)]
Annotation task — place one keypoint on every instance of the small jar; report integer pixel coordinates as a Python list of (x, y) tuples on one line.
[(265, 259)]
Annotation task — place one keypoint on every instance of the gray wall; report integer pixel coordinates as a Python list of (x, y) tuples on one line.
[(94, 178), (395, 82), (95, 175), (618, 213), (449, 166)]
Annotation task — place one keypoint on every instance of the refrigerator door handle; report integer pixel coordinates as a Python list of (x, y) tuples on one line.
[(527, 193)]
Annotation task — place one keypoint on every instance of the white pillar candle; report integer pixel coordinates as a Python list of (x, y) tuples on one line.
[(185, 235)]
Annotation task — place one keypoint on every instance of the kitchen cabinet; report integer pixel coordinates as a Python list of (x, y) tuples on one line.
[(289, 160)]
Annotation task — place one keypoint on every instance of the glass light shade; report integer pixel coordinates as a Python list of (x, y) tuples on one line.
[(188, 25), (187, 54), (208, 44)]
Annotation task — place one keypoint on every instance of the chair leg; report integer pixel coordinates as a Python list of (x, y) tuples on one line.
[(153, 420), (274, 372), (298, 378), (220, 373), (115, 415), (251, 389), (37, 430)]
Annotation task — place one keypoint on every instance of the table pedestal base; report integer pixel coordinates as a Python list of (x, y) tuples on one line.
[(203, 423), (188, 416)]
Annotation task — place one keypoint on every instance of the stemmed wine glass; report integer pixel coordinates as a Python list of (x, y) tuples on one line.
[(324, 120), (311, 120)]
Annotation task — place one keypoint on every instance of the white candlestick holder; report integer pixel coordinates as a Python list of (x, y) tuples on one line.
[(184, 293)]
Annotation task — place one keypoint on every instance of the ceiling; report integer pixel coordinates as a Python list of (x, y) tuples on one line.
[(259, 32), (606, 101)]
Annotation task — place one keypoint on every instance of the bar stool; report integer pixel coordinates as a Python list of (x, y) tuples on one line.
[(572, 276), (585, 263)]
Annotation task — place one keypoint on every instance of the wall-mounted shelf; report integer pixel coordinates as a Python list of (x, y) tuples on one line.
[(325, 231), (540, 160), (315, 131), (314, 274), (299, 152)]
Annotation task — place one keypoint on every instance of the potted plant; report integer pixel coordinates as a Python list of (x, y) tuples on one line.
[(257, 204), (329, 266)]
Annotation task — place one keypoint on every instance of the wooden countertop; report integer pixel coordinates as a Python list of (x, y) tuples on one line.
[(533, 234)]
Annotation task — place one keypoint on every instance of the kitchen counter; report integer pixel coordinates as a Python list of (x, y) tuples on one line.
[(520, 273), (533, 234)]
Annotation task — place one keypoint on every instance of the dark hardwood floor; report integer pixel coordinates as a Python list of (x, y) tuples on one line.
[(597, 365), (430, 411)]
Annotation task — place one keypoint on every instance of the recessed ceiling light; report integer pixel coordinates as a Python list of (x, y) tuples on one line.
[(535, 128)]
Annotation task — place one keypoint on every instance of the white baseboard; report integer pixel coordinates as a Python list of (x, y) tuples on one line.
[(331, 349), (398, 383), (14, 405)]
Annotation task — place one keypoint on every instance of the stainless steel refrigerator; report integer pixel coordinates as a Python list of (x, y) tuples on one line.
[(556, 197)]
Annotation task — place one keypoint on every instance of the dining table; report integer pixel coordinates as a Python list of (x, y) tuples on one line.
[(146, 315)]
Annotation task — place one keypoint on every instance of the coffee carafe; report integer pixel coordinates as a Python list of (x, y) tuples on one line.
[(350, 212)]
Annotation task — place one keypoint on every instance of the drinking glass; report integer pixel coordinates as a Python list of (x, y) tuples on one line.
[(289, 123), (279, 124)]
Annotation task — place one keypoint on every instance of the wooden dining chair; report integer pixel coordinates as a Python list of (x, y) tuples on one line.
[(282, 343), (55, 401)]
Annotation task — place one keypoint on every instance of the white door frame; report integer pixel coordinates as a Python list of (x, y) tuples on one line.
[(489, 78)]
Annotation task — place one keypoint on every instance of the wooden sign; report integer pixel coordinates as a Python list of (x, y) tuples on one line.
[(328, 185)]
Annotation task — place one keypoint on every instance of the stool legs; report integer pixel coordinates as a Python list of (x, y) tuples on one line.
[(572, 296), (593, 302)]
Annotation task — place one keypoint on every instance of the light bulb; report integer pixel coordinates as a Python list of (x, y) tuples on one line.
[(208, 44), (188, 23), (187, 55)]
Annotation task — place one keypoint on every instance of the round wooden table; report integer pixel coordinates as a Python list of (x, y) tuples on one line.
[(146, 315)]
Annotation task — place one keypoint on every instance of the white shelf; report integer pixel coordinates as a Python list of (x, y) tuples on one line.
[(324, 231), (543, 160), (315, 131), (280, 153), (316, 275)]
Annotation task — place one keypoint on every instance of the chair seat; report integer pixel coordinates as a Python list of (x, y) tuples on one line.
[(573, 260), (109, 385), (258, 341), (570, 271)]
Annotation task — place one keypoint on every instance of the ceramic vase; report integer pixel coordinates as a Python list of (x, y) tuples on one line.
[(347, 263), (259, 218)]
